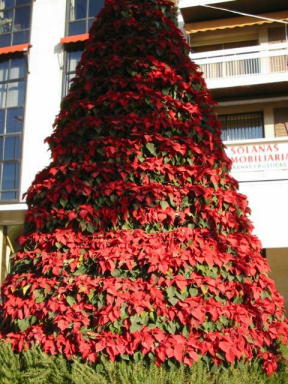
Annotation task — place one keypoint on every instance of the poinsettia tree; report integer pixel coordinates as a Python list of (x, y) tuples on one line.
[(137, 241)]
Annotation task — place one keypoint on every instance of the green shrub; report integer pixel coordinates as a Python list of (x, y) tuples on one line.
[(35, 367)]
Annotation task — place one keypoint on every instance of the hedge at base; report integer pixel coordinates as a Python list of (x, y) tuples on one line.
[(34, 367), (137, 240)]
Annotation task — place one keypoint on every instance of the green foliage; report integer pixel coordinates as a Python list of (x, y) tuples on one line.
[(35, 367), (9, 365)]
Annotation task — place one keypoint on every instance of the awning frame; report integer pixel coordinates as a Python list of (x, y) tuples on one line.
[(15, 48), (74, 38), (233, 22)]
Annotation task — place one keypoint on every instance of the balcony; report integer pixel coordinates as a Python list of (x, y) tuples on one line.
[(260, 64)]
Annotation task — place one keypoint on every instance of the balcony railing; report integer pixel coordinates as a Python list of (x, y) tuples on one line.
[(256, 64)]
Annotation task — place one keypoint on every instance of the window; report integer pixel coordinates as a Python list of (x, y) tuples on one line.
[(72, 59), (242, 126), (81, 14), (12, 99), (15, 21)]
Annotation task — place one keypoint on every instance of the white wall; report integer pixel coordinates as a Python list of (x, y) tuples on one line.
[(44, 85), (269, 203)]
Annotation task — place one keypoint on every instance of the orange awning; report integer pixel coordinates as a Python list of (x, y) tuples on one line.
[(233, 22), (14, 49), (75, 38)]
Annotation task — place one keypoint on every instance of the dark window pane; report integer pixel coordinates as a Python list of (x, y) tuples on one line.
[(78, 9), (10, 179), (22, 2), (17, 68), (15, 118), (77, 27), (90, 22), (22, 18), (2, 121), (95, 7), (9, 195), (5, 40), (21, 37), (8, 3), (6, 18), (12, 148)]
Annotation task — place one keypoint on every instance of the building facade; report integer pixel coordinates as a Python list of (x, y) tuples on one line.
[(40, 44), (241, 47), (243, 58)]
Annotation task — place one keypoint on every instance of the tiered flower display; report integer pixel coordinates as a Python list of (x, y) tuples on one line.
[(137, 241)]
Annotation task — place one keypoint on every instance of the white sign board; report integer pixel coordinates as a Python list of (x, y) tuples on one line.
[(258, 156)]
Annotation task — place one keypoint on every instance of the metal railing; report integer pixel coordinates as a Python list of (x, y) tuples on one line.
[(256, 60)]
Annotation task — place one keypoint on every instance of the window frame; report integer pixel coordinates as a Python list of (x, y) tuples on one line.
[(17, 133), (87, 19), (12, 32), (79, 46)]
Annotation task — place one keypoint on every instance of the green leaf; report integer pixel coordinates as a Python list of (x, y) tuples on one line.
[(171, 291), (185, 202), (208, 326), (136, 323), (182, 295), (141, 158), (185, 331), (193, 292), (70, 300), (90, 228), (33, 320), (39, 299), (173, 300), (237, 300), (135, 327), (63, 203), (26, 288), (151, 148), (164, 204), (82, 269), (83, 225), (23, 324)]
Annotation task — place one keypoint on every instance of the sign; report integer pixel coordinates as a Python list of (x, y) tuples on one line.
[(258, 156)]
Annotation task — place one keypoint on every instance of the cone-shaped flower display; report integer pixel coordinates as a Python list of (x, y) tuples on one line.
[(137, 241)]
